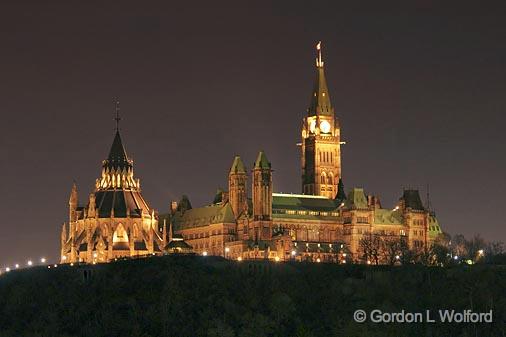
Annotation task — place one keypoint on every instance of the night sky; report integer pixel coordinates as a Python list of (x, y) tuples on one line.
[(419, 90)]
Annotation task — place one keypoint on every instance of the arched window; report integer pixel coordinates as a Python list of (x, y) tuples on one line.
[(120, 235), (330, 179), (323, 178)]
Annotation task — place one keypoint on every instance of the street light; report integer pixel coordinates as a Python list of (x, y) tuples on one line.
[(29, 262), (17, 266), (43, 260), (204, 253), (7, 269)]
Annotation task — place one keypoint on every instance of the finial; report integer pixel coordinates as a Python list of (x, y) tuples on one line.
[(319, 62), (117, 118)]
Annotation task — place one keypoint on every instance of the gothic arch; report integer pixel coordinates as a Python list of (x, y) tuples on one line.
[(120, 235), (323, 178)]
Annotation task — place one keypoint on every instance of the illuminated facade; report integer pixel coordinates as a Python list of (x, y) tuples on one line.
[(116, 221), (321, 224)]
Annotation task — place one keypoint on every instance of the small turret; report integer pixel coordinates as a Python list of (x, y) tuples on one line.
[(73, 199), (262, 188), (237, 179)]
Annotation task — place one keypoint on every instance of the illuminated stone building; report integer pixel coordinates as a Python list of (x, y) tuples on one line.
[(116, 221), (321, 224), (249, 220)]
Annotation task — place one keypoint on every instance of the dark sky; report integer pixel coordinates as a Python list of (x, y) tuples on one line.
[(419, 89)]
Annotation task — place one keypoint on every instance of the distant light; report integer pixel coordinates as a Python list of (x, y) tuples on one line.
[(55, 265), (71, 264), (318, 260), (227, 249), (204, 253), (368, 262), (29, 262), (344, 254), (239, 259), (95, 255), (276, 258), (455, 257), (43, 260), (153, 254), (344, 261), (481, 252), (17, 266), (64, 257), (94, 262), (7, 269), (294, 253), (397, 257), (342, 246), (48, 267)]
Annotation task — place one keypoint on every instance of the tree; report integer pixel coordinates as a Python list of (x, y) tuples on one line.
[(371, 248)]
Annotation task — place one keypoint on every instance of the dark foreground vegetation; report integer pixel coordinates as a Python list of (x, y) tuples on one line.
[(205, 296)]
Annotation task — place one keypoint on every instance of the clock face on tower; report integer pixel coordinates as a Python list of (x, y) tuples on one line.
[(325, 126)]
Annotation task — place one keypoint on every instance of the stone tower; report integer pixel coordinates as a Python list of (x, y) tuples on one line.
[(321, 143), (262, 197), (237, 180)]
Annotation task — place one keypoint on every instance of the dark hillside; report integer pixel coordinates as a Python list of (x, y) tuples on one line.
[(206, 296)]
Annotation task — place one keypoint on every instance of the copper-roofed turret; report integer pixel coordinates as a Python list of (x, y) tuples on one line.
[(320, 98)]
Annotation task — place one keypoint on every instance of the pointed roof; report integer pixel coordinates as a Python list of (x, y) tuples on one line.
[(320, 97), (73, 194), (117, 155), (237, 166), (412, 200), (356, 199), (341, 194), (262, 161)]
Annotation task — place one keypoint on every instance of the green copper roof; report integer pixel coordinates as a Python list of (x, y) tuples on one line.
[(356, 199), (387, 217), (320, 97), (237, 166), (203, 216), (434, 227), (341, 194), (262, 161), (218, 197), (308, 207)]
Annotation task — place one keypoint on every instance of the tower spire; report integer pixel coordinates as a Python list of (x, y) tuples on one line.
[(320, 99), (117, 118), (319, 62)]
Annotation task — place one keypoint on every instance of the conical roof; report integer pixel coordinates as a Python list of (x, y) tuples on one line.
[(262, 161), (320, 97), (237, 166), (117, 155)]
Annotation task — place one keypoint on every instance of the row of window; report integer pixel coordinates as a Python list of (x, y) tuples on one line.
[(327, 156), (299, 212)]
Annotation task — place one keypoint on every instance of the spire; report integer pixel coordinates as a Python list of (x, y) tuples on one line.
[(237, 166), (320, 98), (117, 118), (262, 161), (340, 195), (73, 195)]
